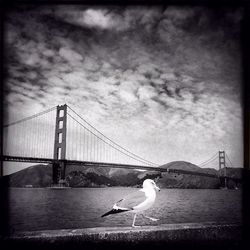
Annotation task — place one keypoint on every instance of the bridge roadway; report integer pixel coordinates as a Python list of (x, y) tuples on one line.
[(111, 165)]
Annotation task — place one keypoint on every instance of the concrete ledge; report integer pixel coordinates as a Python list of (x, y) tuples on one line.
[(173, 234)]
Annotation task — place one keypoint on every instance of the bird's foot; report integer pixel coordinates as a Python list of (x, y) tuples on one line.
[(153, 219), (134, 226)]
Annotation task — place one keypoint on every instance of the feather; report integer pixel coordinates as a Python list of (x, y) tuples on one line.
[(115, 211), (131, 200)]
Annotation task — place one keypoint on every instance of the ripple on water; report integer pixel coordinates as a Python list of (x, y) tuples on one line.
[(39, 209)]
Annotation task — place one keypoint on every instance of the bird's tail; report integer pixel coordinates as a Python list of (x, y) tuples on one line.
[(115, 211)]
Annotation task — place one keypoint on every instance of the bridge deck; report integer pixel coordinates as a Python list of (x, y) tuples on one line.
[(111, 165)]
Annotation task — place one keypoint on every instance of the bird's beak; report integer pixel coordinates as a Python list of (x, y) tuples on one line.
[(157, 188)]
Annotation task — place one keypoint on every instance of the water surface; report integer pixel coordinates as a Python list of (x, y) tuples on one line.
[(41, 208)]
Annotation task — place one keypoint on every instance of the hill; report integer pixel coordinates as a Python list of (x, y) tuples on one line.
[(79, 176), (35, 176), (172, 180)]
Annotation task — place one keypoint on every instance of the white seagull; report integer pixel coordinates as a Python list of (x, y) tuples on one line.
[(137, 202)]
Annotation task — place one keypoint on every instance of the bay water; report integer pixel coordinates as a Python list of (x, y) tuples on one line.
[(43, 208)]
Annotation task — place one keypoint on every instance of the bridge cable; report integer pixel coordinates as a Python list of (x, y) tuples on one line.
[(149, 162), (229, 160), (91, 141), (105, 141), (208, 161), (30, 117)]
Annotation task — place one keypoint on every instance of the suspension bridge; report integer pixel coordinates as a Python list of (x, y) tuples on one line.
[(61, 137)]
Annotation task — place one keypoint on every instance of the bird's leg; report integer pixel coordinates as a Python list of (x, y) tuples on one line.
[(153, 219), (133, 225)]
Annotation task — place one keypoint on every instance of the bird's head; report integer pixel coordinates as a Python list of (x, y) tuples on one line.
[(148, 183)]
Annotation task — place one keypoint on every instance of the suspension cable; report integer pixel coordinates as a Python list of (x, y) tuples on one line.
[(105, 141), (229, 160), (149, 162), (209, 160), (30, 117)]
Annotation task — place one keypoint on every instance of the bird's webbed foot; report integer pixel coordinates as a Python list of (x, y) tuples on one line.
[(151, 218), (134, 226)]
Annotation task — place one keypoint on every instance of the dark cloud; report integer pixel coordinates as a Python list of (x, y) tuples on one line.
[(165, 68)]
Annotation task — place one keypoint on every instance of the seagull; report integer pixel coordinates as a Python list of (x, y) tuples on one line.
[(137, 202)]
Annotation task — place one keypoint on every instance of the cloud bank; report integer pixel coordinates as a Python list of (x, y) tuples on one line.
[(164, 82)]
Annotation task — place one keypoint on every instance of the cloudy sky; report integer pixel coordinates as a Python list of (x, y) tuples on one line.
[(164, 82)]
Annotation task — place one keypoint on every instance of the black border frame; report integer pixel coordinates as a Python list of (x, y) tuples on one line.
[(245, 4)]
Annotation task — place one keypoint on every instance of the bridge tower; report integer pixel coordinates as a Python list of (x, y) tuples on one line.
[(222, 164), (60, 144)]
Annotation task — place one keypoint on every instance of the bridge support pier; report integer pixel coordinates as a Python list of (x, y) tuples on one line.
[(223, 182), (58, 173), (63, 170)]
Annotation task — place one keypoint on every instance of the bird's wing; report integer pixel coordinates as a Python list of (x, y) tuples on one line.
[(131, 200)]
